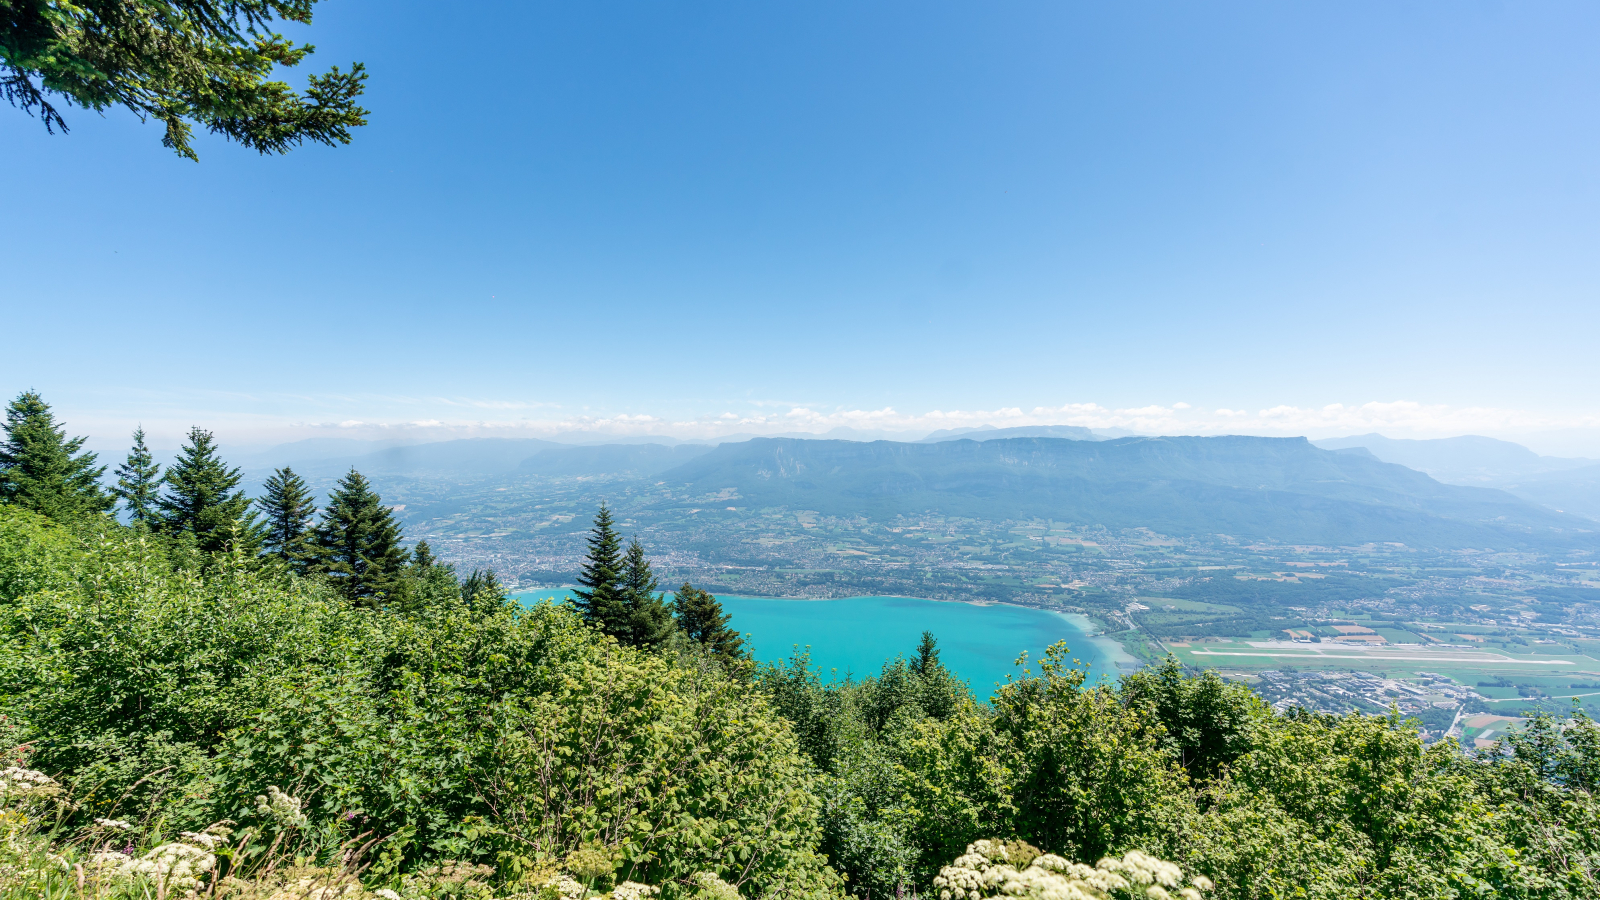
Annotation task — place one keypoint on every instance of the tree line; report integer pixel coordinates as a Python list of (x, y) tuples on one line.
[(355, 542)]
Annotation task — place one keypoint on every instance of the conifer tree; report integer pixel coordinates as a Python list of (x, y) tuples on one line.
[(481, 590), (429, 582), (701, 619), (201, 501), (358, 544), (927, 661), (649, 621), (289, 508), (422, 558), (599, 596), (211, 63), (42, 470), (139, 483)]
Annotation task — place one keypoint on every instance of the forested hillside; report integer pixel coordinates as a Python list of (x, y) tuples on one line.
[(192, 712), (1278, 488)]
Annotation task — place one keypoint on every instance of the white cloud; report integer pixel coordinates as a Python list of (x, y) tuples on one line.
[(418, 418)]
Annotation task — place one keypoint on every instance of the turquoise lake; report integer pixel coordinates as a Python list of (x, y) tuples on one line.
[(856, 635)]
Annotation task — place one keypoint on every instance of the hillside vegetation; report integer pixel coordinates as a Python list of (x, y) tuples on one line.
[(450, 747)]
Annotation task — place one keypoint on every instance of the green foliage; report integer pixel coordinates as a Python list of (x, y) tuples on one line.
[(198, 61), (701, 619), (139, 483), (201, 504), (288, 507), (1206, 723), (358, 545), (42, 470), (494, 736), (650, 622), (487, 748), (1088, 774), (480, 589), (598, 597)]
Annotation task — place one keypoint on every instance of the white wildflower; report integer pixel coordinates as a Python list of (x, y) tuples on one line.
[(712, 887), (999, 870), (566, 887), (19, 787), (208, 839), (114, 824), (177, 865), (385, 894), (281, 807), (320, 889), (632, 890)]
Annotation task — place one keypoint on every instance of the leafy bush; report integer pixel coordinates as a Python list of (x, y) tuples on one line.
[(506, 737), (218, 723)]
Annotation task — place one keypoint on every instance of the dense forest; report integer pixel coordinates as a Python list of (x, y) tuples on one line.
[(223, 696)]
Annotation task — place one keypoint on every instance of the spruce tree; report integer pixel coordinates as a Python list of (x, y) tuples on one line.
[(432, 583), (289, 507), (649, 620), (139, 483), (211, 63), (422, 558), (599, 596), (701, 619), (42, 470), (201, 501), (927, 661), (358, 545), (482, 590)]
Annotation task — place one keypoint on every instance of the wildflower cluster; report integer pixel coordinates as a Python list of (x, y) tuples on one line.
[(281, 808), (561, 886), (632, 890), (175, 866), (22, 787), (1016, 871), (712, 887)]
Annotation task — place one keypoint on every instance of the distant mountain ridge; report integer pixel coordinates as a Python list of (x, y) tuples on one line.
[(1069, 432), (1568, 484), (641, 460), (1251, 487)]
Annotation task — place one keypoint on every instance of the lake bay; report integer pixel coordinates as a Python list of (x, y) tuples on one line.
[(855, 635)]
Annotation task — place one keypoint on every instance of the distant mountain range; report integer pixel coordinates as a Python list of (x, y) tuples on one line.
[(986, 433), (642, 460), (1282, 489), (1568, 484), (1482, 492)]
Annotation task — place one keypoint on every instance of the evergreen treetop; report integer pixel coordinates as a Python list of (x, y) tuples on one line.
[(422, 558), (927, 661), (599, 595), (359, 544), (207, 62), (482, 591), (201, 499), (289, 507), (44, 471), (649, 620), (701, 619), (139, 483)]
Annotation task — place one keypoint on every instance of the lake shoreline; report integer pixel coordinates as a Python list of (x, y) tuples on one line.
[(1085, 638)]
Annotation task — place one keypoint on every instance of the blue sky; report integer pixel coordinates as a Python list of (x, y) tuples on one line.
[(702, 218)]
